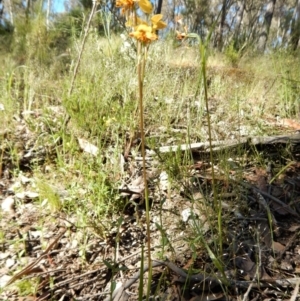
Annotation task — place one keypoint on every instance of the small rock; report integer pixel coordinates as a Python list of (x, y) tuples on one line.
[(4, 255), (24, 180), (9, 263), (186, 213), (164, 181), (27, 195), (21, 195), (8, 205), (88, 147), (36, 234), (3, 280), (32, 194), (15, 186)]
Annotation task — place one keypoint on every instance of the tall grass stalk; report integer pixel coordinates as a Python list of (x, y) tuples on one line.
[(217, 202), (141, 282), (142, 55), (75, 71), (144, 32)]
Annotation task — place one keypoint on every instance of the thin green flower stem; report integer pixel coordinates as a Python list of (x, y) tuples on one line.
[(141, 284), (141, 66), (216, 202)]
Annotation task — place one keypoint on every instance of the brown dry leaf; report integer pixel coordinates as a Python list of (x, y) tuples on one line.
[(280, 209), (297, 270), (248, 267), (265, 233), (137, 185), (278, 247), (291, 123), (294, 228), (262, 182)]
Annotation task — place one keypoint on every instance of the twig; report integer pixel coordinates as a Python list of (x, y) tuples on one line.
[(271, 197), (81, 276), (295, 292), (247, 292), (28, 269), (207, 281), (282, 204)]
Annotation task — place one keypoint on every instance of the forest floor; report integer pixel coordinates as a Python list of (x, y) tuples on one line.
[(234, 235)]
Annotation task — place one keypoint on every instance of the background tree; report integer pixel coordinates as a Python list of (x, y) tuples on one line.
[(221, 27), (264, 33), (295, 28), (159, 6), (253, 24)]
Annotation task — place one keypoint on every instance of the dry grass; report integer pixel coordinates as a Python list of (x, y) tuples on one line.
[(245, 100)]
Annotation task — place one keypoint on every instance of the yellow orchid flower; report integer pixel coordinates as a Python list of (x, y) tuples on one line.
[(126, 5), (142, 30), (144, 33), (157, 23), (145, 6), (132, 21), (182, 35)]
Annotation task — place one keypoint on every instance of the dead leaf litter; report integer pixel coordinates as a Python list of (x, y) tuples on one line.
[(57, 259)]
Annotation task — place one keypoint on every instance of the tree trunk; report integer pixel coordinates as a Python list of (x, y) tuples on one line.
[(1, 9), (219, 37), (263, 36), (237, 22), (27, 11), (48, 14), (239, 17), (295, 28), (159, 6), (11, 12)]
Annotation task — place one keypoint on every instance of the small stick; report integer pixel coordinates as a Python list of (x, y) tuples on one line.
[(28, 269)]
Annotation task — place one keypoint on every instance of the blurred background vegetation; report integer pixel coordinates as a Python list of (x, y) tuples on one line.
[(42, 30)]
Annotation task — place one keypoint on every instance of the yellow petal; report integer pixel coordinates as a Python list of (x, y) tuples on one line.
[(133, 21), (145, 6), (160, 25), (157, 23), (134, 34), (143, 27), (156, 18), (140, 21), (151, 36)]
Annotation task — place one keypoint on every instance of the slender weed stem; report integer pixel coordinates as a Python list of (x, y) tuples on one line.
[(141, 68)]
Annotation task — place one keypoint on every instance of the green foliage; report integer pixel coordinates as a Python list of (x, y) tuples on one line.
[(232, 54), (287, 64), (290, 94), (69, 25), (48, 195), (26, 287), (6, 35)]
